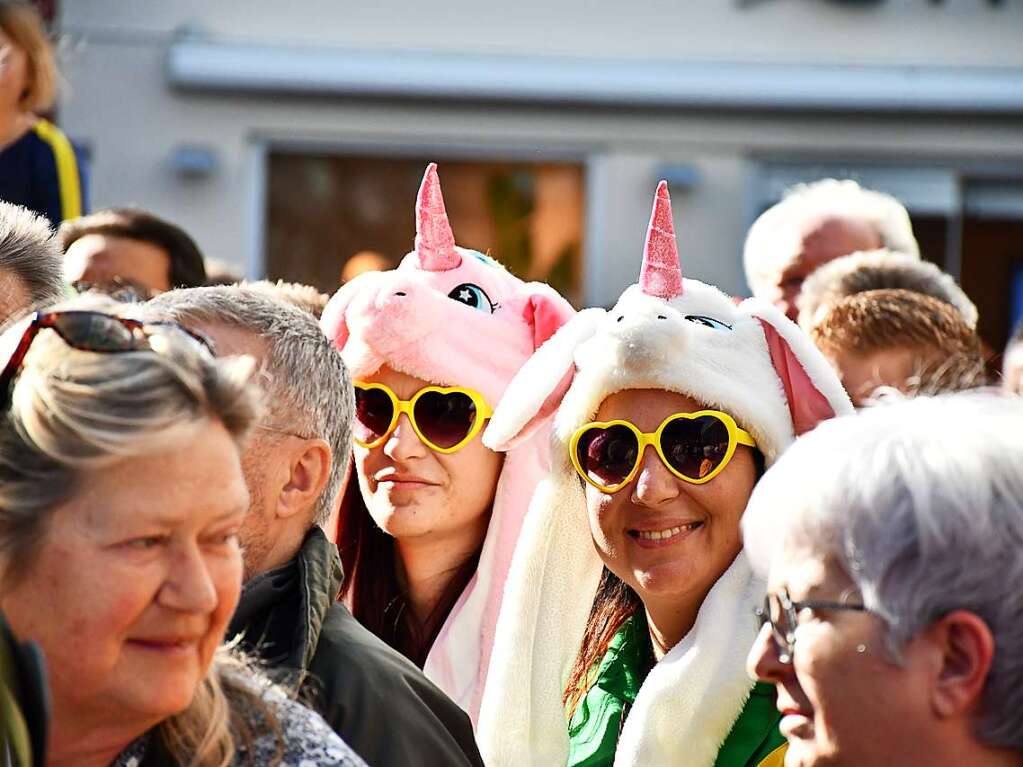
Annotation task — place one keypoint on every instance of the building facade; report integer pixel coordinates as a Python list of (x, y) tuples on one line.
[(287, 137)]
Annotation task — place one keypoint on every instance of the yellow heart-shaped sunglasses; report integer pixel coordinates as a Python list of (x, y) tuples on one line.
[(695, 447), (445, 418)]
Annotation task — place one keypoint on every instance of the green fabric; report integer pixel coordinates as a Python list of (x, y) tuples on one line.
[(14, 744), (755, 733), (597, 721)]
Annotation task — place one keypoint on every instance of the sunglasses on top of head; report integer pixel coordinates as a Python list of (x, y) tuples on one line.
[(92, 331), (695, 447), (445, 418)]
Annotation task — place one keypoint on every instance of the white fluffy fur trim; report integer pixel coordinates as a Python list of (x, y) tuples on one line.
[(692, 698), (551, 587), (544, 371)]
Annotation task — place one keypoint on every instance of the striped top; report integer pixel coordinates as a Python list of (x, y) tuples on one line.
[(43, 172)]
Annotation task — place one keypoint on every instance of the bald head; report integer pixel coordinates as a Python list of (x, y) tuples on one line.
[(817, 223), (820, 239)]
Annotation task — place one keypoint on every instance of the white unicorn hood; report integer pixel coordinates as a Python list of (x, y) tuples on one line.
[(670, 333)]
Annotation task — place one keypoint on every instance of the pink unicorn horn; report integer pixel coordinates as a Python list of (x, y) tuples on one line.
[(661, 274), (435, 243)]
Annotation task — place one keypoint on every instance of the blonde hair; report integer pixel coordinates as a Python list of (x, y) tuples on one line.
[(21, 22), (72, 411)]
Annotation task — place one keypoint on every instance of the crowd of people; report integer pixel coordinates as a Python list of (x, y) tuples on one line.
[(443, 517)]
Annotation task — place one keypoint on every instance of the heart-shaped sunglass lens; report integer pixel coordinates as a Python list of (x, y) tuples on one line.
[(445, 419), (608, 454), (373, 413), (695, 446)]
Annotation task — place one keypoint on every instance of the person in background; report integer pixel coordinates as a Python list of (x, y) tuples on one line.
[(364, 261), (899, 339), (427, 532), (121, 499), (30, 263), (628, 613), (295, 466), (305, 297), (39, 168), (133, 246), (814, 224), (879, 270), (890, 542), (1012, 364)]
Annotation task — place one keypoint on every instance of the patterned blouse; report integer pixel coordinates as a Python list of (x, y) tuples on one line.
[(308, 741)]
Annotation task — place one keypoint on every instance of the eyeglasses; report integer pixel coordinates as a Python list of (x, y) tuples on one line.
[(782, 613), (445, 418), (92, 331), (695, 447)]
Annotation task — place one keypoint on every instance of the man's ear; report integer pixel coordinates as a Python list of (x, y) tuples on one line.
[(966, 649), (310, 470)]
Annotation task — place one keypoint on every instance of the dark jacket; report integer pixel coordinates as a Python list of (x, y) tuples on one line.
[(378, 701)]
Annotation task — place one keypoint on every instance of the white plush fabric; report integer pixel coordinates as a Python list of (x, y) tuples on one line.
[(691, 699)]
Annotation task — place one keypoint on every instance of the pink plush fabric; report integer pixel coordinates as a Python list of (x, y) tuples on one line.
[(453, 316), (807, 405)]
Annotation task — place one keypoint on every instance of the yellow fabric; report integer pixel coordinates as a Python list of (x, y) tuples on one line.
[(67, 168), (776, 758), (14, 737)]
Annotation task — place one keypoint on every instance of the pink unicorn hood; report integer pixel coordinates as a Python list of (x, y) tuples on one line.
[(447, 314), (453, 316), (665, 332)]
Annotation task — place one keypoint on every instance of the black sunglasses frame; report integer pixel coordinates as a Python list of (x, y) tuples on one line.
[(40, 320)]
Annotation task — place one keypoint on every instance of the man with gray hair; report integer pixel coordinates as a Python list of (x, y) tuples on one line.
[(30, 262), (879, 270), (816, 223), (294, 466), (893, 620)]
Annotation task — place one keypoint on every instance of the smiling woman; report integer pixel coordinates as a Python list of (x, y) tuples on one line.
[(121, 496), (629, 606)]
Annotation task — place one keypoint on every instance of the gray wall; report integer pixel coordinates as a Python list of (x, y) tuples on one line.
[(119, 104)]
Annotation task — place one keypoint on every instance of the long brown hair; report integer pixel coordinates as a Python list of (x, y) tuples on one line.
[(613, 604), (371, 589)]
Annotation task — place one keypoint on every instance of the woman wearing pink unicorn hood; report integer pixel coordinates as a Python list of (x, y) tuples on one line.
[(427, 532)]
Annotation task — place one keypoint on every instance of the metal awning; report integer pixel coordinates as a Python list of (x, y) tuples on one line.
[(210, 65)]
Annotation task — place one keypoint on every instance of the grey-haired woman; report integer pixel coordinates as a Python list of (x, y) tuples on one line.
[(894, 615), (121, 495)]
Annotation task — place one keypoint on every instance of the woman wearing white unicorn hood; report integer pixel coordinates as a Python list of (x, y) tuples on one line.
[(629, 607)]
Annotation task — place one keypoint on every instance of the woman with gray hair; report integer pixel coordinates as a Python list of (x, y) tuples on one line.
[(894, 616), (121, 495)]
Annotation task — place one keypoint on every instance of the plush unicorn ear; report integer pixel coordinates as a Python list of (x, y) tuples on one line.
[(545, 311), (333, 322), (812, 389), (535, 392)]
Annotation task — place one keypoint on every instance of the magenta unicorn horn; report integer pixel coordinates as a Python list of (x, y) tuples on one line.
[(661, 274)]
